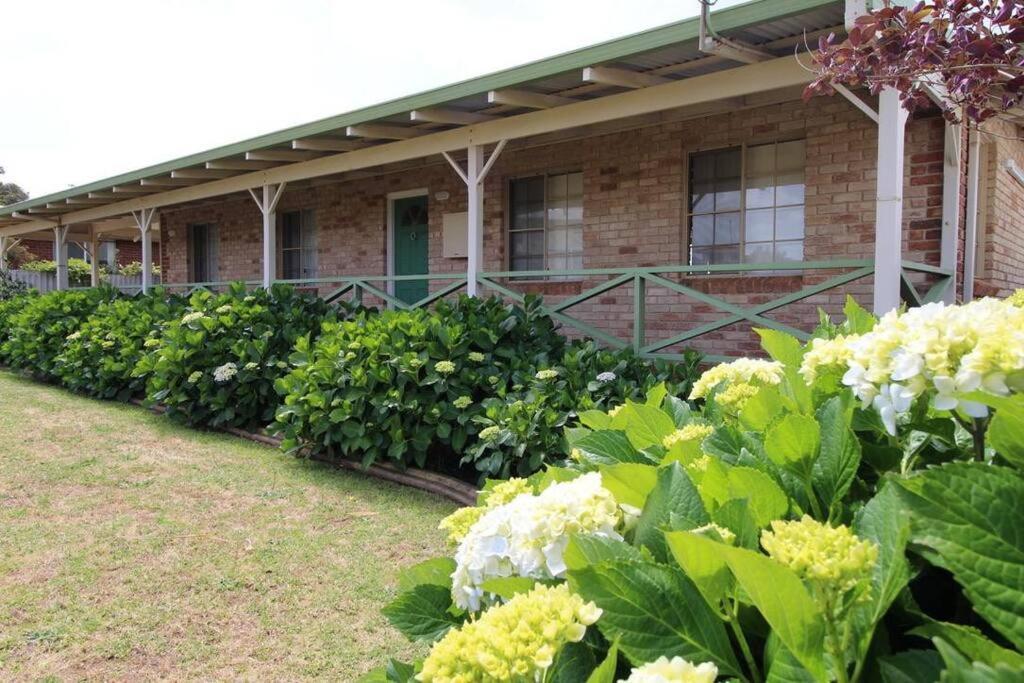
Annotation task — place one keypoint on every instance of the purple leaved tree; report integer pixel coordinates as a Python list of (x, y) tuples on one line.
[(969, 50)]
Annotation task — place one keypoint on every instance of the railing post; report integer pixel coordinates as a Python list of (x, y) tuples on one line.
[(475, 216), (892, 119), (639, 312), (3, 253), (357, 294), (94, 273)]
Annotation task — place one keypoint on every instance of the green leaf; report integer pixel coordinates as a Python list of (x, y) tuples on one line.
[(436, 572), (605, 672), (646, 425), (783, 601), (761, 409), (793, 443), (421, 614), (674, 499), (960, 670), (585, 550), (573, 663), (703, 564), (884, 521), (656, 395), (766, 500), (968, 518), (399, 672), (839, 456), (629, 483), (782, 666), (654, 610), (507, 587), (607, 448), (786, 349), (858, 320), (678, 409), (970, 643), (1006, 430), (912, 666), (595, 419)]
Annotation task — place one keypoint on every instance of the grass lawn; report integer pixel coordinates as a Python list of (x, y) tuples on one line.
[(133, 548)]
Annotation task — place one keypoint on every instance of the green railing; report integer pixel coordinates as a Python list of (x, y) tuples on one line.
[(679, 280)]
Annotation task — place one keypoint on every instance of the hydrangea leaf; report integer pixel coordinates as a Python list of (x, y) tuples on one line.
[(911, 666), (674, 497), (609, 447), (782, 666), (654, 610), (572, 664), (766, 499), (434, 572), (761, 409), (422, 614), (968, 518), (839, 455), (970, 643), (1006, 431), (507, 587), (605, 672), (630, 483), (884, 521), (646, 425), (793, 442), (586, 550), (703, 564)]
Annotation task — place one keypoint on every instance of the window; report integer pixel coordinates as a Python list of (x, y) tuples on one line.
[(747, 204), (546, 222), (78, 250), (298, 245), (203, 245)]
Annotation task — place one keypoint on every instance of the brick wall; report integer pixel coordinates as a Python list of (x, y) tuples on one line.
[(1000, 262), (634, 184)]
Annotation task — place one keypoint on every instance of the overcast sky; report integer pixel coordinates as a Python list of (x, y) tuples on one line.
[(94, 89)]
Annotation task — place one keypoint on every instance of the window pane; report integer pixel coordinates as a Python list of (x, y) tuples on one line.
[(575, 183), (700, 256), (791, 156), (757, 252), (557, 188), (727, 228), (726, 254), (702, 230), (291, 265), (789, 251), (727, 180), (790, 190), (536, 243), (789, 223), (702, 198), (760, 225), (520, 243), (556, 215), (556, 240), (575, 240)]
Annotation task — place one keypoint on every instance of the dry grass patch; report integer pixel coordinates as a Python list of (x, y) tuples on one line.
[(132, 548)]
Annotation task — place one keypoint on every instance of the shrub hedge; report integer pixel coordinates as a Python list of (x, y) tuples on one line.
[(472, 387)]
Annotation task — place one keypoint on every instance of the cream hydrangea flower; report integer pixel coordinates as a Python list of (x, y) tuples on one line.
[(507, 491), (192, 317), (225, 372), (752, 371), (606, 377), (226, 308), (735, 396), (488, 433), (1016, 299), (195, 377), (824, 355), (936, 350), (74, 335), (545, 375), (462, 402), (476, 356), (832, 558), (691, 432), (459, 522), (516, 641), (151, 343), (675, 670), (444, 367), (527, 536), (251, 365), (615, 411)]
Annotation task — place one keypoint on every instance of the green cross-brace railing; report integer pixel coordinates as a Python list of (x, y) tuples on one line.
[(640, 279)]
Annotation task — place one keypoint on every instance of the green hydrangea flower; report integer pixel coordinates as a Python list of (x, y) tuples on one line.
[(444, 367)]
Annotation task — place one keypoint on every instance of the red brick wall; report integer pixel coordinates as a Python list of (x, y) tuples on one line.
[(1000, 262), (634, 184)]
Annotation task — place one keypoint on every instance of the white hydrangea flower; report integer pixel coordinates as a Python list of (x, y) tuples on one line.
[(192, 317), (225, 372), (527, 536), (606, 377), (675, 670)]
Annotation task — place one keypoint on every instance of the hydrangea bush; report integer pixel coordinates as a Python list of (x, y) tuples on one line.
[(793, 533), (216, 364)]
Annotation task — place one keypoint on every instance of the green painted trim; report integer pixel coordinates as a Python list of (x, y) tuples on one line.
[(731, 18), (592, 292), (907, 290), (938, 290), (916, 267), (727, 268), (639, 311), (440, 294)]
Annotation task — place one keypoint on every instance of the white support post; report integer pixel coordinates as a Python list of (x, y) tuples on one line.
[(4, 246), (950, 206), (892, 120), (94, 253), (144, 220), (474, 176), (60, 255), (267, 205), (475, 217), (971, 236)]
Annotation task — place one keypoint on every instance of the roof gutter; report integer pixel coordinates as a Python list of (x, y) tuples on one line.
[(713, 44)]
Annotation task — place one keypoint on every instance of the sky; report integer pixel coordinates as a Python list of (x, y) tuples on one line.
[(95, 89)]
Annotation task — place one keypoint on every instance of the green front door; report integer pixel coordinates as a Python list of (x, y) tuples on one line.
[(411, 240)]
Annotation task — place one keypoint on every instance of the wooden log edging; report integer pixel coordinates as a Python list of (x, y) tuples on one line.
[(453, 489)]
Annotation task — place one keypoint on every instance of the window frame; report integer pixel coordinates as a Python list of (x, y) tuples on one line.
[(688, 198), (301, 249), (509, 230)]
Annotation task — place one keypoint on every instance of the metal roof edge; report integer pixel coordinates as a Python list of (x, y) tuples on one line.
[(730, 18)]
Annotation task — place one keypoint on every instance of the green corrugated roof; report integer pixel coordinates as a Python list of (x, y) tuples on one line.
[(732, 18)]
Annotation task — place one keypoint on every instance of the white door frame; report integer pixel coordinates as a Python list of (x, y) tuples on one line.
[(390, 248)]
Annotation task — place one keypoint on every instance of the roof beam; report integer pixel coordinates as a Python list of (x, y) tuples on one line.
[(450, 116), (607, 75), (167, 181), (104, 195), (381, 132), (326, 145), (239, 165), (131, 189), (280, 155), (780, 73), (529, 100), (85, 200), (202, 173)]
